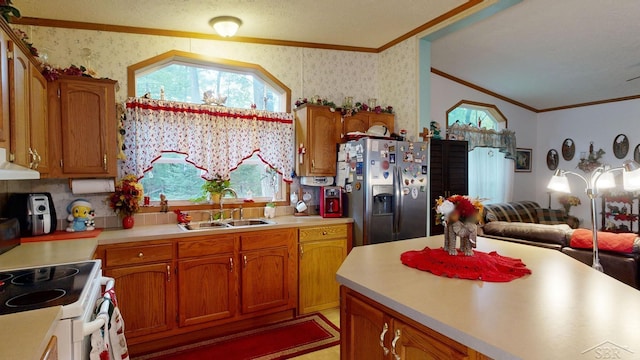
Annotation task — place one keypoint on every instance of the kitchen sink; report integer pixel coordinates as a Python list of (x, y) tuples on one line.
[(249, 222), (205, 225)]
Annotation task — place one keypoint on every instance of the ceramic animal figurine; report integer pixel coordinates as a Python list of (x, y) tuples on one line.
[(183, 217), (91, 222), (467, 233), (79, 214), (164, 203)]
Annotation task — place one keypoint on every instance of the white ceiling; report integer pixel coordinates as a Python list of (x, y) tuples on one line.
[(360, 23), (542, 53), (549, 53)]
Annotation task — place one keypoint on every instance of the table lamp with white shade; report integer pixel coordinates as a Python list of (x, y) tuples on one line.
[(600, 178)]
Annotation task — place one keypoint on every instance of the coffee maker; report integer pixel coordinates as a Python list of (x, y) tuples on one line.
[(330, 201)]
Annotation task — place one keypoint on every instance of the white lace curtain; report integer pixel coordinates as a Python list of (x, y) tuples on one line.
[(504, 140), (215, 139)]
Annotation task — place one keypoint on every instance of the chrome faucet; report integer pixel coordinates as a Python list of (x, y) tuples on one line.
[(230, 191)]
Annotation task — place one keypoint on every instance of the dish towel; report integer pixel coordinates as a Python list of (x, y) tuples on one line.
[(109, 342)]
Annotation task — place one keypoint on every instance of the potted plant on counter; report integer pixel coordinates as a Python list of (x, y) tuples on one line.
[(126, 198), (213, 187)]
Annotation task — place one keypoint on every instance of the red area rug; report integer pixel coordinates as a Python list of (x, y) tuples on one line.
[(283, 340), (481, 266)]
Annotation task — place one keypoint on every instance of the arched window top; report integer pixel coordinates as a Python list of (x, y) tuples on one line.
[(184, 76), (485, 116)]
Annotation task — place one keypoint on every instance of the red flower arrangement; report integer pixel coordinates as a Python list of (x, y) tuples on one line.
[(461, 206), (126, 199)]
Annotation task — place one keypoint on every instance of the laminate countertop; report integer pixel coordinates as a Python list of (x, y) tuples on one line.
[(26, 334), (563, 310)]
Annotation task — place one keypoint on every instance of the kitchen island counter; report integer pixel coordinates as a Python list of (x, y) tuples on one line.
[(26, 334), (563, 310)]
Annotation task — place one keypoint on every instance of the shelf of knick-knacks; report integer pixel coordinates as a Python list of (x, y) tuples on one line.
[(620, 212)]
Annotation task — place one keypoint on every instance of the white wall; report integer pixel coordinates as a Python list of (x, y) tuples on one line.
[(446, 93), (598, 123)]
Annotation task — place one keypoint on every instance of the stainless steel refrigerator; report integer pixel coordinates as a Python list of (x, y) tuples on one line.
[(386, 186)]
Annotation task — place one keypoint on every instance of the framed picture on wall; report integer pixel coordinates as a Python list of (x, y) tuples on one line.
[(523, 160)]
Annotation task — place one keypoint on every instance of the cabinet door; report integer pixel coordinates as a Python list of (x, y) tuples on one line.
[(19, 107), (4, 92), (265, 279), (412, 344), (358, 122), (207, 289), (145, 297), (39, 124), (387, 120), (322, 141), (366, 331), (319, 261), (88, 128)]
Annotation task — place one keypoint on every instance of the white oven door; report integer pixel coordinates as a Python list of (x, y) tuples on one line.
[(74, 340)]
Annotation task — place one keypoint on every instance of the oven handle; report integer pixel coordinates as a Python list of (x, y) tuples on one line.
[(103, 315)]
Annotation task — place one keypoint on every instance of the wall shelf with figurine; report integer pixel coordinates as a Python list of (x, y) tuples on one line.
[(620, 211)]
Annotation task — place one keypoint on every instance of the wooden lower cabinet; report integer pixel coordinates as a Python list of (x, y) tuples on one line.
[(372, 331), (268, 270), (222, 283), (145, 296), (51, 351), (208, 289), (321, 251)]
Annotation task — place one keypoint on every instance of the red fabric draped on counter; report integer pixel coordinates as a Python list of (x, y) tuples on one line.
[(481, 266)]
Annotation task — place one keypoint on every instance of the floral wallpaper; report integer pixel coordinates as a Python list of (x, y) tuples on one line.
[(398, 83), (391, 76)]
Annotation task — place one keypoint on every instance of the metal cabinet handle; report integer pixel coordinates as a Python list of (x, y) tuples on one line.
[(32, 157), (230, 264), (245, 260), (301, 251), (104, 162), (313, 164), (168, 273), (393, 345), (140, 255), (36, 159), (324, 233), (385, 328)]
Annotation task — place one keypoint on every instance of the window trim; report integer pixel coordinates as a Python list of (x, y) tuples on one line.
[(490, 108), (183, 56)]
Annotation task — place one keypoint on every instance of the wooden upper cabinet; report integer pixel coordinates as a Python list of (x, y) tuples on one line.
[(20, 148), (317, 130), (38, 120), (4, 92), (362, 121), (83, 121)]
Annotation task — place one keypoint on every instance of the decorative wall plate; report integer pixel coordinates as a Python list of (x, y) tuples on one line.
[(636, 154), (620, 146), (568, 149), (552, 159)]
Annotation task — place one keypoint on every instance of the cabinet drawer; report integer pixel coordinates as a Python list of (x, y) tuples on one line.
[(267, 239), (201, 247), (137, 254), (323, 233)]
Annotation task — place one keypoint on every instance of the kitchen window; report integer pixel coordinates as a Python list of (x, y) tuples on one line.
[(173, 141), (173, 176)]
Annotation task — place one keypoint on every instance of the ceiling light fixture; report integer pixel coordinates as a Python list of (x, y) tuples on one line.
[(225, 26)]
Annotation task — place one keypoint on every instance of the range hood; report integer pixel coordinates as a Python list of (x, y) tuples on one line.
[(11, 171)]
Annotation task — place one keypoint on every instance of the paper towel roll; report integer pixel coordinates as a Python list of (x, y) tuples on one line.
[(92, 186)]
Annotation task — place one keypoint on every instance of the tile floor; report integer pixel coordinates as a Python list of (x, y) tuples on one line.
[(332, 353)]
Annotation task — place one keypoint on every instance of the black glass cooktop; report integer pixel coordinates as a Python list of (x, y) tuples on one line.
[(30, 289)]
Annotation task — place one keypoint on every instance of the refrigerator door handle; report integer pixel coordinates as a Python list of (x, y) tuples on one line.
[(397, 211)]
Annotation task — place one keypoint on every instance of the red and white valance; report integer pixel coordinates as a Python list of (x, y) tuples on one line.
[(214, 138)]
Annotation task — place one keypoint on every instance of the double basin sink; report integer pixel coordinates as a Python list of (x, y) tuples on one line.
[(224, 224)]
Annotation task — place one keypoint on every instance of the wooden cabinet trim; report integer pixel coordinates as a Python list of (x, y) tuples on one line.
[(215, 245)]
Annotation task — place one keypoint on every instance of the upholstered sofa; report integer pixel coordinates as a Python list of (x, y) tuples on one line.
[(527, 223)]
